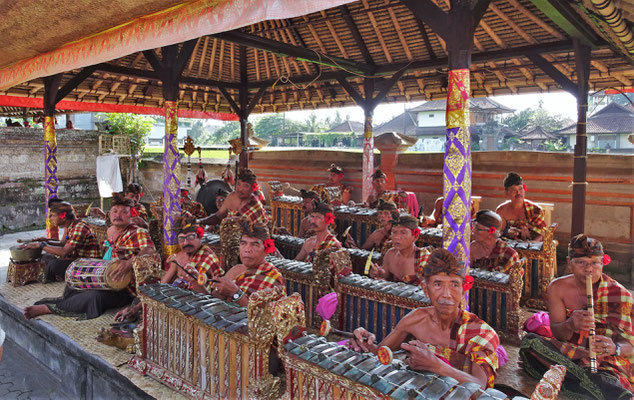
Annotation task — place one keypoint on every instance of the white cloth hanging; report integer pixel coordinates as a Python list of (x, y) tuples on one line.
[(109, 175)]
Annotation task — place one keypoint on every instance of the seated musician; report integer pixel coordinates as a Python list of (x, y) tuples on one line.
[(221, 196), (402, 261), (488, 251), (570, 324), (379, 191), (309, 200), (78, 241), (133, 192), (191, 206), (387, 213), (442, 338), (254, 274), (321, 218), (521, 219), (242, 202), (335, 178), (126, 241), (435, 219)]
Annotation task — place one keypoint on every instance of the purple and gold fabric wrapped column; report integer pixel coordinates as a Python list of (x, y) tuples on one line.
[(50, 171), (171, 182), (368, 157), (456, 224)]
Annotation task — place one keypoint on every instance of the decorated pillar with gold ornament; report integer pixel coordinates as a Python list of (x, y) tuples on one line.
[(50, 171), (171, 182), (368, 154), (457, 168)]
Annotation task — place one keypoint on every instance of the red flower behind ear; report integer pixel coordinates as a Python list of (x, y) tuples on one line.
[(134, 212), (269, 246), (606, 259), (492, 230), (416, 232), (255, 187), (329, 218), (524, 187), (340, 176), (468, 283), (200, 231), (141, 195), (184, 193), (62, 215)]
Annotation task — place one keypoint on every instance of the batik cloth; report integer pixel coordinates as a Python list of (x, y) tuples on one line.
[(254, 211), (534, 219), (613, 305), (472, 341), (79, 235), (501, 258), (264, 277), (329, 241)]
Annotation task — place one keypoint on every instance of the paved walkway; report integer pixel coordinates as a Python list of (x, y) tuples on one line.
[(23, 377)]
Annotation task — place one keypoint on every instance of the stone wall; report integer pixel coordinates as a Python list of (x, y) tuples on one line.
[(609, 201), (22, 172)]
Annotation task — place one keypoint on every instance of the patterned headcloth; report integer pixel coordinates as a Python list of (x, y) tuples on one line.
[(133, 188), (257, 230), (512, 179), (439, 261), (583, 246), (378, 174), (406, 221), (335, 169), (246, 175), (185, 223), (323, 208), (488, 218), (118, 199), (308, 194)]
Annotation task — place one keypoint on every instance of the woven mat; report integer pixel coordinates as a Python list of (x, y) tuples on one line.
[(84, 333)]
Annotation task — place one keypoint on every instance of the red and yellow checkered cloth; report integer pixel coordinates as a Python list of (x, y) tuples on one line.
[(79, 235), (130, 243), (329, 241), (534, 219), (501, 258), (265, 276), (254, 211)]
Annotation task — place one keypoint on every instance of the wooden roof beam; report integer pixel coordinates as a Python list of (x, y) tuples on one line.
[(354, 30), (566, 18), (550, 70), (288, 50), (74, 82)]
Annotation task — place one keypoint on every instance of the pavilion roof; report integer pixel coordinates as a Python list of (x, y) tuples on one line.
[(537, 133), (611, 119), (361, 38)]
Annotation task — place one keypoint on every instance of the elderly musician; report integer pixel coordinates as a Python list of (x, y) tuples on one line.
[(191, 206), (244, 201), (446, 339), (521, 219), (402, 262), (126, 242), (139, 215), (571, 324), (78, 240), (321, 218), (254, 274), (488, 251), (335, 178)]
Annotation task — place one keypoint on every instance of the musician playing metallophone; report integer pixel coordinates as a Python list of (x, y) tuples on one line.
[(402, 262), (379, 191), (309, 200), (321, 218), (193, 207), (570, 323), (488, 251), (255, 273), (442, 338), (78, 241), (521, 218), (388, 212), (134, 192), (243, 201), (335, 178), (126, 242)]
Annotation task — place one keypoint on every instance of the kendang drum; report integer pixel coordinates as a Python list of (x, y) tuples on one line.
[(94, 274)]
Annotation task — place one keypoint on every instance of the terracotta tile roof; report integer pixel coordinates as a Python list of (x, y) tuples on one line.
[(611, 119)]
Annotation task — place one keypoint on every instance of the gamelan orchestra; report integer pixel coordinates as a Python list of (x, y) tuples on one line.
[(316, 296)]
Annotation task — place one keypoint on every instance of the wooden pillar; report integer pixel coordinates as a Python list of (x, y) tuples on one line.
[(244, 115), (51, 86), (368, 154), (579, 183)]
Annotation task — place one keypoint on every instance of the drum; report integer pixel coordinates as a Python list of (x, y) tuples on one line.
[(93, 274)]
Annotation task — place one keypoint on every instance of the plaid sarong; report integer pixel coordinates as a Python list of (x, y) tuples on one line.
[(130, 242), (79, 235), (254, 211), (501, 258), (206, 260), (472, 341), (265, 276), (140, 208), (329, 241), (534, 219)]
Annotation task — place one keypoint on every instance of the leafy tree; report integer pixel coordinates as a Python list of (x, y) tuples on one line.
[(313, 124), (530, 118), (226, 132), (197, 130), (518, 120)]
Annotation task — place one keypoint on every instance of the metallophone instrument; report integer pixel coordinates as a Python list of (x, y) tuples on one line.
[(541, 262), (318, 369), (287, 211), (209, 348)]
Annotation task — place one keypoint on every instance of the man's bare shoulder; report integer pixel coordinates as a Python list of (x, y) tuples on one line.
[(502, 207), (417, 316), (390, 254), (557, 285), (232, 199)]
